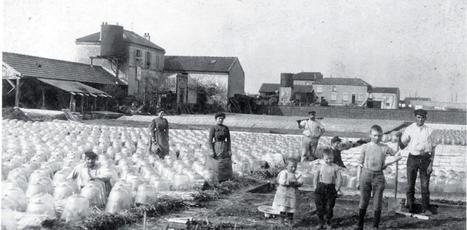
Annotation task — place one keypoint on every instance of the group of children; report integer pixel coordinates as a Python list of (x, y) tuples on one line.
[(328, 180)]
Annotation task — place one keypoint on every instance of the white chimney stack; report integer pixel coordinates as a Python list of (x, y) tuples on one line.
[(147, 36)]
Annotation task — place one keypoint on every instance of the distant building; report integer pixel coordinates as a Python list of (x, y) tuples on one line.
[(223, 75), (342, 91), (55, 84), (437, 105), (306, 78), (298, 88), (140, 61), (428, 104), (148, 72), (385, 97), (269, 89)]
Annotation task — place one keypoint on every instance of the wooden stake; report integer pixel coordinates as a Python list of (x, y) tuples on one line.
[(144, 221), (17, 93)]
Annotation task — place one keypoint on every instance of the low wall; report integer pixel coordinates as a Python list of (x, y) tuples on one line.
[(434, 116)]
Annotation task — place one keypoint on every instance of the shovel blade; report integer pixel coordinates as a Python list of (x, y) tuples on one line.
[(394, 205)]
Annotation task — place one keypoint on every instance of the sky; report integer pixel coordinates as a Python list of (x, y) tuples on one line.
[(418, 45)]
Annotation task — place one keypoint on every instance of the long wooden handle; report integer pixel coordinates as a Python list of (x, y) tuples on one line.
[(395, 182)]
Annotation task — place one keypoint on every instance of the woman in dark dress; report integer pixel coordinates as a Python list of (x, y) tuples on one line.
[(219, 143), (159, 131)]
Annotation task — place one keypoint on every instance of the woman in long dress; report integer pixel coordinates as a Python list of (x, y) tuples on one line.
[(219, 143), (159, 131)]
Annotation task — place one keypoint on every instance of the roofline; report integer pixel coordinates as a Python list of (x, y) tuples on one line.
[(200, 56), (232, 64), (86, 43), (52, 59), (132, 43), (128, 43), (9, 66), (317, 83), (178, 71), (22, 75)]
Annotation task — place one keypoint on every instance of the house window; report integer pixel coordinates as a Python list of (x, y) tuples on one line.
[(148, 59), (157, 62), (319, 89), (334, 88), (138, 56), (345, 97), (333, 96)]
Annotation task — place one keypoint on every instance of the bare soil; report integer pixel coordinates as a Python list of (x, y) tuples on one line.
[(240, 210)]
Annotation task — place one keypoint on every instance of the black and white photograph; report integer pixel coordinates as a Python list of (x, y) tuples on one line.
[(233, 114)]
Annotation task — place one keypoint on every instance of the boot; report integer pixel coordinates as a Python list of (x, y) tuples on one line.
[(321, 222), (377, 218), (361, 219), (410, 205), (290, 218)]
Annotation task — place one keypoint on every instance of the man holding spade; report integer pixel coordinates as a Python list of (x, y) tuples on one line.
[(417, 141), (313, 131)]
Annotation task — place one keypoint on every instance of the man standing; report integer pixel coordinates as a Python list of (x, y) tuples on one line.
[(417, 141), (313, 131)]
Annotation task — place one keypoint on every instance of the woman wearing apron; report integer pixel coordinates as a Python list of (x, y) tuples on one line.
[(219, 143), (159, 131)]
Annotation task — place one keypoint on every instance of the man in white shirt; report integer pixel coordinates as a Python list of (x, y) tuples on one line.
[(417, 141), (313, 131)]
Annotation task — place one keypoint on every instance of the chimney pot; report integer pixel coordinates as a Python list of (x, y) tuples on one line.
[(147, 36)]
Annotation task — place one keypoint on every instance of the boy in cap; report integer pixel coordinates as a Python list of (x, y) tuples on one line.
[(336, 149), (417, 141), (313, 131)]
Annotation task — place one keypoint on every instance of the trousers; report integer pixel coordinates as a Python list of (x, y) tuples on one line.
[(325, 199), (309, 146), (418, 164), (371, 181)]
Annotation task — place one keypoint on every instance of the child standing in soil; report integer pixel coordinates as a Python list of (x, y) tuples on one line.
[(327, 182), (286, 194), (370, 174)]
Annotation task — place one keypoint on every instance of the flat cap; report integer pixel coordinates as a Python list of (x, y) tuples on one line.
[(421, 112), (90, 154), (219, 114)]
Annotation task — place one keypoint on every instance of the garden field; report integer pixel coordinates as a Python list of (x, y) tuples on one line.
[(38, 156)]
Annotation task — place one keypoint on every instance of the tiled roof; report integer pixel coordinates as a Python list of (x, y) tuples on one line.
[(39, 67), (342, 81), (393, 90), (199, 64), (310, 76), (269, 87), (128, 36)]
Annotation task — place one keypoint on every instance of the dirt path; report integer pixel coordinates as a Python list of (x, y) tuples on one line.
[(240, 208)]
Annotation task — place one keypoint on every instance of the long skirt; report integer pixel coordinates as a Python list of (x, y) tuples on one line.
[(224, 169), (224, 163), (161, 146)]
